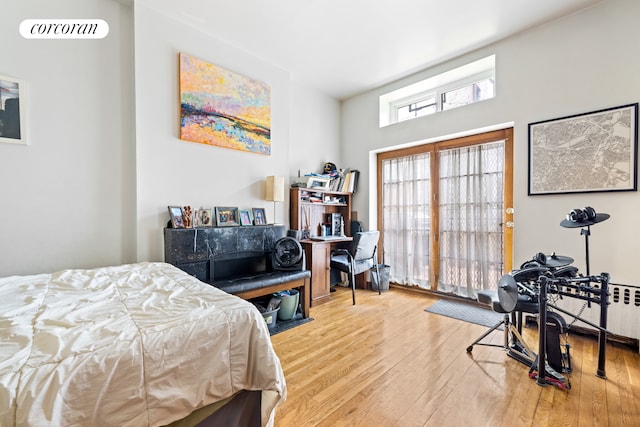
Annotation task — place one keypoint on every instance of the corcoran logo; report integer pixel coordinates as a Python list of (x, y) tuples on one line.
[(64, 29)]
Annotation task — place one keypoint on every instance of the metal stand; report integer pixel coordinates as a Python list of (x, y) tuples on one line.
[(585, 232), (603, 299)]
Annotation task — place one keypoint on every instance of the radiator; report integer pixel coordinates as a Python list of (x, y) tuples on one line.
[(623, 316)]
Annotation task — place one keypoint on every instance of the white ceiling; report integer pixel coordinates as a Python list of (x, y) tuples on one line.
[(345, 47)]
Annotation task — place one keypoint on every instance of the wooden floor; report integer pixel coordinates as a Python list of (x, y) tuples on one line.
[(387, 362)]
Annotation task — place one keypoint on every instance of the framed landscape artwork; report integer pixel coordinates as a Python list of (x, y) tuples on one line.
[(222, 108), (585, 153)]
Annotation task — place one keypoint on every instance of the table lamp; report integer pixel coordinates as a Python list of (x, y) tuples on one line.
[(275, 192)]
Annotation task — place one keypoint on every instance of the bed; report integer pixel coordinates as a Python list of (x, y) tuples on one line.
[(133, 345)]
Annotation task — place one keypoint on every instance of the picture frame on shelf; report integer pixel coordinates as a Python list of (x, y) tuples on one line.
[(227, 217), (259, 216), (177, 219), (318, 182), (245, 217), (585, 153), (205, 217), (196, 218)]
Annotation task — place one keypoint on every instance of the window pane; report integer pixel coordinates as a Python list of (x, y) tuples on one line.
[(426, 97), (417, 109), (406, 195), (469, 94), (471, 206)]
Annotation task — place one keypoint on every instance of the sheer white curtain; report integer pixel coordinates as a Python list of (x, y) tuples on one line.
[(471, 215), (406, 217)]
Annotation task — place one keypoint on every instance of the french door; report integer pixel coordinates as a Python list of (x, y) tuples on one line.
[(445, 215)]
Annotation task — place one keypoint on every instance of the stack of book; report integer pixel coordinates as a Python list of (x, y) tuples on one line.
[(315, 197), (346, 181)]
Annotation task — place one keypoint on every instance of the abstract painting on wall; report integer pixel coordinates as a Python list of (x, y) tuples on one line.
[(223, 108)]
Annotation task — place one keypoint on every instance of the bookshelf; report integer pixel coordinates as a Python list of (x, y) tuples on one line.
[(310, 207)]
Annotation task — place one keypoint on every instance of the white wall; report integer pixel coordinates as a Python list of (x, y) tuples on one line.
[(577, 64), (93, 186), (175, 172), (315, 131), (66, 199)]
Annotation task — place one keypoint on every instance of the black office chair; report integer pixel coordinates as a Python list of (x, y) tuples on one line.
[(360, 257)]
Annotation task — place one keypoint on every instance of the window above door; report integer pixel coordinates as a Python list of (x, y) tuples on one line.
[(461, 86)]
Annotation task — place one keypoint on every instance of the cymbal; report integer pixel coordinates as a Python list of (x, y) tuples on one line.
[(507, 292), (529, 273), (599, 218), (555, 261)]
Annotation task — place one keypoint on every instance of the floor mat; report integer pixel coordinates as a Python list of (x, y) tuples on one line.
[(465, 312), (285, 325)]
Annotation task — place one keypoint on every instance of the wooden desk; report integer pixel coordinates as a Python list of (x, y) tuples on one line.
[(318, 259)]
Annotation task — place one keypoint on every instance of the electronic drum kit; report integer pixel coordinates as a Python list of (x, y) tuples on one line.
[(526, 289)]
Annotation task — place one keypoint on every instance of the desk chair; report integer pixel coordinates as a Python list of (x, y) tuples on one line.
[(360, 257)]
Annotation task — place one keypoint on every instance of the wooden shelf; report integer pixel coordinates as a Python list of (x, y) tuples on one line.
[(305, 214), (302, 202)]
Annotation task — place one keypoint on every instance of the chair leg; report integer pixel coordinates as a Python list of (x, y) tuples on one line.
[(353, 286), (379, 280)]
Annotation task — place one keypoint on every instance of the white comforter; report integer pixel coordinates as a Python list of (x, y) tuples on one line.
[(135, 345)]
